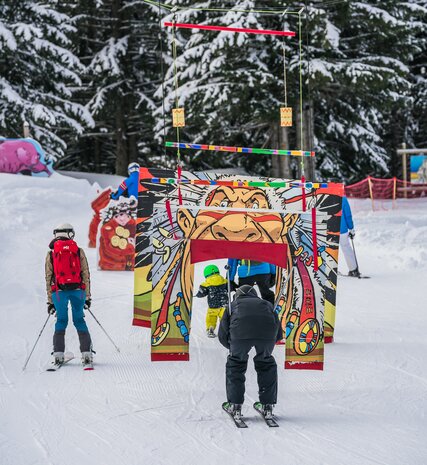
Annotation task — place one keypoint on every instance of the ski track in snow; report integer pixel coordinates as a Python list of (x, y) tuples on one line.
[(366, 408)]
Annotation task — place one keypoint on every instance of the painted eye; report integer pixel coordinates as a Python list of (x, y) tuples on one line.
[(224, 203), (255, 205)]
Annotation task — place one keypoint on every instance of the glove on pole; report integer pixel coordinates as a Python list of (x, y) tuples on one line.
[(31, 353)]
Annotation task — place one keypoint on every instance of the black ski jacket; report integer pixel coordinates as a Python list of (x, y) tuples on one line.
[(252, 318)]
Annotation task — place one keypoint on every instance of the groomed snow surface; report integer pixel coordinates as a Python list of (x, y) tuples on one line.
[(367, 407)]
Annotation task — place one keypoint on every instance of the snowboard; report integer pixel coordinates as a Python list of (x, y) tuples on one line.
[(68, 356), (271, 422), (237, 420)]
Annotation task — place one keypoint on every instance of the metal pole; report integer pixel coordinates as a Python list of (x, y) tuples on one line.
[(31, 353), (94, 317), (229, 288), (355, 257)]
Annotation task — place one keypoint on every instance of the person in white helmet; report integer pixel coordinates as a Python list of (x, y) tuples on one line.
[(129, 187), (68, 281)]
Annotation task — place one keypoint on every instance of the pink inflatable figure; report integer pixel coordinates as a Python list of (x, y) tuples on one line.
[(23, 156)]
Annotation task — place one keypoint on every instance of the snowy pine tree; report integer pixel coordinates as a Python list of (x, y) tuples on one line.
[(116, 42), (39, 74)]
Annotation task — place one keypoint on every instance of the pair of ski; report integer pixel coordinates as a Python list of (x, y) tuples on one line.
[(240, 423), (68, 356)]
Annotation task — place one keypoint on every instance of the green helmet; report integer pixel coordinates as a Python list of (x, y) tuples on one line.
[(210, 270)]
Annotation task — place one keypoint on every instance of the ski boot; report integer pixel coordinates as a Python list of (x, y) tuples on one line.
[(87, 360), (267, 411), (58, 358), (210, 332), (235, 410), (354, 273)]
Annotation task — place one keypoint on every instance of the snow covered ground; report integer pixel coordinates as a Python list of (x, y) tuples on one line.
[(367, 407)]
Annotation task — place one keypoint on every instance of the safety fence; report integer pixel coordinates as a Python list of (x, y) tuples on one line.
[(384, 189)]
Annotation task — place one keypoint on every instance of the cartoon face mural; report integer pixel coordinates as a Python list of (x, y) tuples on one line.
[(163, 275), (24, 156), (116, 235)]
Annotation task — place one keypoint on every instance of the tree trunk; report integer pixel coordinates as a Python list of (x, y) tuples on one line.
[(306, 166)]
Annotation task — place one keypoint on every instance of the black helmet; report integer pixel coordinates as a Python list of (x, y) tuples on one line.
[(246, 289)]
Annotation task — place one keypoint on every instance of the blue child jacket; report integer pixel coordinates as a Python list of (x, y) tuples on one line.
[(130, 185), (249, 268)]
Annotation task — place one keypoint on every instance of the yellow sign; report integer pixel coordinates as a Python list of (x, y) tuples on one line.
[(178, 117), (286, 116)]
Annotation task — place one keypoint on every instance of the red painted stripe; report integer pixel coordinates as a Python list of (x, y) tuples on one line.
[(231, 29), (304, 365), (142, 323), (170, 357), (314, 237)]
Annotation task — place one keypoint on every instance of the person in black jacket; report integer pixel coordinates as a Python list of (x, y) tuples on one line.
[(252, 323)]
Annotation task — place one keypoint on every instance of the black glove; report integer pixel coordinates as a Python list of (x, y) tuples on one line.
[(351, 233), (51, 309), (88, 303), (233, 286), (272, 280)]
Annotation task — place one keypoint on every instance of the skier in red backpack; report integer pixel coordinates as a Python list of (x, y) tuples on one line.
[(68, 280)]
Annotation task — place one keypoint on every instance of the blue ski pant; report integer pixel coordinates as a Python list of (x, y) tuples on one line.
[(77, 300)]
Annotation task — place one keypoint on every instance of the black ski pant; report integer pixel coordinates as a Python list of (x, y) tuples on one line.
[(265, 366), (263, 282), (59, 341)]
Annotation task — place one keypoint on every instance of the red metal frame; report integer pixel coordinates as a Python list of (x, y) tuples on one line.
[(231, 29)]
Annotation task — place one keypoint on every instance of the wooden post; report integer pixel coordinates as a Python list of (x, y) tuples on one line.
[(394, 191), (26, 129), (371, 193), (404, 169)]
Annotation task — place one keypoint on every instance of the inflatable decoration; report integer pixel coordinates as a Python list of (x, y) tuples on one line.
[(23, 156)]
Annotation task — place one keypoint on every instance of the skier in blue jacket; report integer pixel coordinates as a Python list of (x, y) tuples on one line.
[(252, 272), (346, 233), (129, 187)]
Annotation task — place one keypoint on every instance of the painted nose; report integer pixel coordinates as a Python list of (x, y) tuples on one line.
[(236, 228)]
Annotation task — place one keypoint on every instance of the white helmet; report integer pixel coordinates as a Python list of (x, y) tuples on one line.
[(64, 230), (133, 167)]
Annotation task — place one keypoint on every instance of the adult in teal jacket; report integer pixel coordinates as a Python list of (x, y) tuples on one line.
[(252, 272), (346, 233)]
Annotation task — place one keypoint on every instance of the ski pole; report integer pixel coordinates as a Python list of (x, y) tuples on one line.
[(31, 353), (355, 257), (229, 288), (100, 325)]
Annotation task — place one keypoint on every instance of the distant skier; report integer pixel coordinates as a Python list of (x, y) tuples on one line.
[(129, 187), (347, 232), (252, 323), (252, 272), (68, 281), (216, 289)]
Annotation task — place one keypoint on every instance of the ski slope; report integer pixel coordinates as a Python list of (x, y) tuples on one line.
[(368, 407)]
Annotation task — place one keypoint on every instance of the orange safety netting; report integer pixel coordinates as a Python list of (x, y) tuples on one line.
[(392, 188)]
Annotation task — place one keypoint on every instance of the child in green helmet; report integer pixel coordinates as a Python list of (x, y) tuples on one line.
[(216, 289)]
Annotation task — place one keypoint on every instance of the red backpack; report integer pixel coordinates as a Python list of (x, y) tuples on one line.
[(66, 265)]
